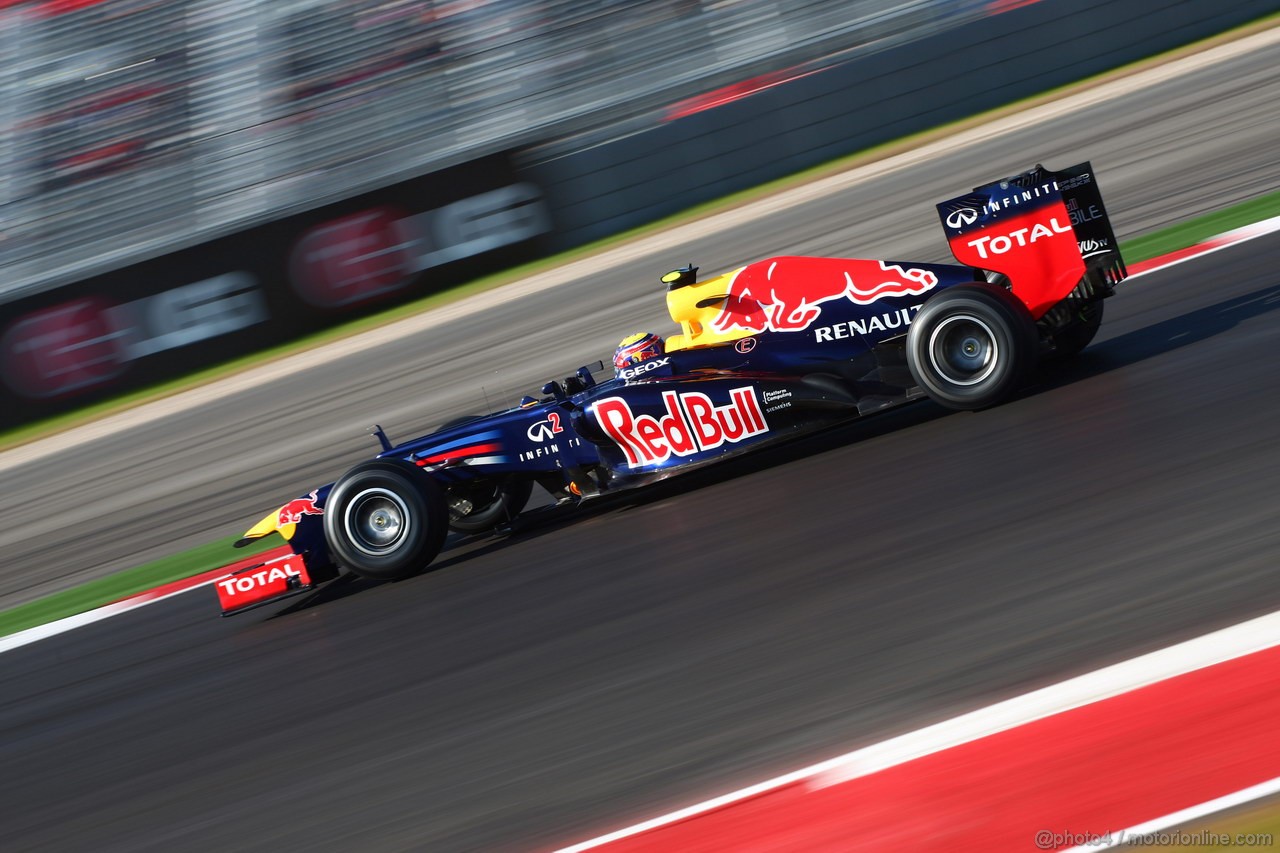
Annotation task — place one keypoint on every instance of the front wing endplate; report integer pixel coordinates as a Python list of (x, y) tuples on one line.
[(265, 583)]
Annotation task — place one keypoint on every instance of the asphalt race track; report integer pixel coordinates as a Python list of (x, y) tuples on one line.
[(595, 670), (589, 673), (1163, 154)]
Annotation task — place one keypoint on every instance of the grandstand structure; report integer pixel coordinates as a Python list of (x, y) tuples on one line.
[(131, 128)]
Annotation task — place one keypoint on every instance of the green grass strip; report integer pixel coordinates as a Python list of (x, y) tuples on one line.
[(1201, 228), (102, 591)]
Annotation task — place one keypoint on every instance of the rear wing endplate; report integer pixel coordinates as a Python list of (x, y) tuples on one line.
[(1047, 231)]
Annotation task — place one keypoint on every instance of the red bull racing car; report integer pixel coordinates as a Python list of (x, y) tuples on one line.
[(779, 347)]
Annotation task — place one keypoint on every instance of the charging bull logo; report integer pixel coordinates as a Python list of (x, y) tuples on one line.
[(785, 294), (294, 510), (689, 424)]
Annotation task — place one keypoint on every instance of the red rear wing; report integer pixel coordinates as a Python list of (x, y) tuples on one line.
[(1047, 231)]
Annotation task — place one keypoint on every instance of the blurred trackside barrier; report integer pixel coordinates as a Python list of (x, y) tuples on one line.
[(257, 287), (739, 142)]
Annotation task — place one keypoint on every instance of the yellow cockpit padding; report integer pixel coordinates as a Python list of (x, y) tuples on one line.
[(695, 322)]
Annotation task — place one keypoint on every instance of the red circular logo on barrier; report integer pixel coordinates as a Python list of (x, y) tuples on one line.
[(60, 350), (353, 259)]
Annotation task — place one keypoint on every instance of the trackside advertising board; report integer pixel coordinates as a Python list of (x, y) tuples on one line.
[(184, 311)]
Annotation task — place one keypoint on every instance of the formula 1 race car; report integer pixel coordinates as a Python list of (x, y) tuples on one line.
[(782, 346)]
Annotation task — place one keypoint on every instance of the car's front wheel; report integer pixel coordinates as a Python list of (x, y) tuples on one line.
[(385, 519), (971, 346)]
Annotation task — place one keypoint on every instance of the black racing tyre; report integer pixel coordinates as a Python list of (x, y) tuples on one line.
[(971, 346), (481, 505), (385, 519), (1074, 338)]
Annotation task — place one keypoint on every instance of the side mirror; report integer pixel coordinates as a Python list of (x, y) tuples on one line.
[(377, 432)]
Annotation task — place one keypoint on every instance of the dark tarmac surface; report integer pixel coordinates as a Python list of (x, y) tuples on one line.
[(766, 614), (1163, 154), (785, 608)]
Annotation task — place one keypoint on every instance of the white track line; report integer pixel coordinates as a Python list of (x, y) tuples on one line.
[(1248, 232), (60, 626), (621, 255), (79, 620), (1227, 644)]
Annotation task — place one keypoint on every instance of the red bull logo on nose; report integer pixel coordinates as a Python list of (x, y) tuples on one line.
[(785, 294), (294, 510)]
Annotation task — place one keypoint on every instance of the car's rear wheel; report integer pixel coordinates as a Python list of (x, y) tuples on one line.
[(481, 505), (971, 346), (385, 519)]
